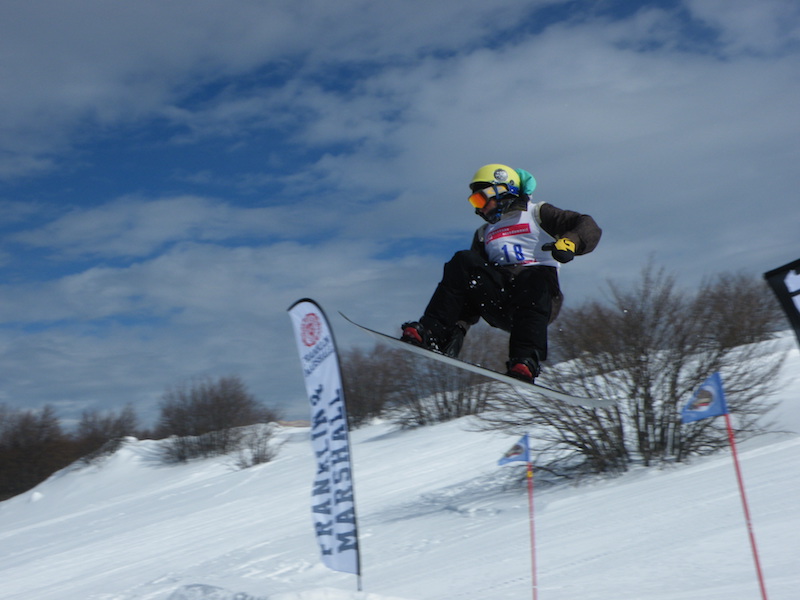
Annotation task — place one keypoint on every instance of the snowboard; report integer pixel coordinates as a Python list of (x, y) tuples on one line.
[(522, 387)]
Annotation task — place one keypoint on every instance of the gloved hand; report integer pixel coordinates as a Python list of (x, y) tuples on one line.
[(563, 249)]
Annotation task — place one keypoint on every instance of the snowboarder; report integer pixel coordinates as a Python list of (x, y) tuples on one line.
[(510, 274)]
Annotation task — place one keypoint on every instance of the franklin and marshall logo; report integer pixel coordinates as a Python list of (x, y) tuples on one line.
[(310, 329)]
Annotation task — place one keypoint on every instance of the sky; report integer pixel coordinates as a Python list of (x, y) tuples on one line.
[(173, 176)]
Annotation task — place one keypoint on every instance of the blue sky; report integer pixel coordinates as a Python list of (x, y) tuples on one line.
[(174, 175)]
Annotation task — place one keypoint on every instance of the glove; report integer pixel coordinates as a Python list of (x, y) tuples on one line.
[(563, 249)]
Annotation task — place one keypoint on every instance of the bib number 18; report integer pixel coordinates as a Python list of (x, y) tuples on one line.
[(519, 255)]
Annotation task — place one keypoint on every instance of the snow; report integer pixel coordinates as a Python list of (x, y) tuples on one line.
[(438, 519)]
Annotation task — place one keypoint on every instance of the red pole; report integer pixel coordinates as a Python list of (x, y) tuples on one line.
[(746, 509), (533, 531)]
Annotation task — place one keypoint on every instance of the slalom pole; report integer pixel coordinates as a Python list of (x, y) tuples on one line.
[(533, 531), (745, 507)]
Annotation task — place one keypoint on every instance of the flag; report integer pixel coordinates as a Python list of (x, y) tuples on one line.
[(333, 503), (785, 283), (520, 451), (707, 401)]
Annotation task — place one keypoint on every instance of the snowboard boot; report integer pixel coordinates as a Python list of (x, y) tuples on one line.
[(524, 369), (444, 341), (416, 334), (456, 341)]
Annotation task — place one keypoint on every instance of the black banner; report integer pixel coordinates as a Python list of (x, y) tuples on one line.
[(785, 282)]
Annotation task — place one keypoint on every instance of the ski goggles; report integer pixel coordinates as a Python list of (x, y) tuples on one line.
[(480, 198)]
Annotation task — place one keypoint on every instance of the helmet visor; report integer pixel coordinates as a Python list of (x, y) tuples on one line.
[(480, 198)]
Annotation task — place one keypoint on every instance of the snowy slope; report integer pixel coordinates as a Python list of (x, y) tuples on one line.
[(438, 519)]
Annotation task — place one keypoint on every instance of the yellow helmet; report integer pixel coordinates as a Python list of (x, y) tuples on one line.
[(494, 183), (496, 174)]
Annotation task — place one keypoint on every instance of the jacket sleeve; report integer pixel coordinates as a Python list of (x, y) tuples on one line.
[(477, 242), (560, 223)]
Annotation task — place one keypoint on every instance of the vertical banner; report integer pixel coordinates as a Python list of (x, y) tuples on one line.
[(333, 501), (785, 282)]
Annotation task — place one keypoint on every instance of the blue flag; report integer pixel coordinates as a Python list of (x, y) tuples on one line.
[(708, 401), (520, 451)]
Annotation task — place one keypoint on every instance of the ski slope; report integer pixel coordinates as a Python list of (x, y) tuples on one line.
[(438, 519)]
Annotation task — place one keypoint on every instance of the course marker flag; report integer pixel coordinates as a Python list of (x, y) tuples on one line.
[(521, 451), (709, 401)]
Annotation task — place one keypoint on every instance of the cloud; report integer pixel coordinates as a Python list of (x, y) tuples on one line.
[(91, 64), (198, 309), (254, 155), (766, 28), (135, 227), (661, 145)]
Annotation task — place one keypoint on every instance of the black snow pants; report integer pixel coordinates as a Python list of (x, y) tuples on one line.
[(521, 301)]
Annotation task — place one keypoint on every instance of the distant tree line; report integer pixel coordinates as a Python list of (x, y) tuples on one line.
[(649, 346), (34, 444), (200, 419)]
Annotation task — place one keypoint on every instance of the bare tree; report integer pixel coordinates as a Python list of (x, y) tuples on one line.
[(368, 377), (206, 418), (415, 391), (649, 348), (257, 445), (427, 391), (100, 433), (32, 447)]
